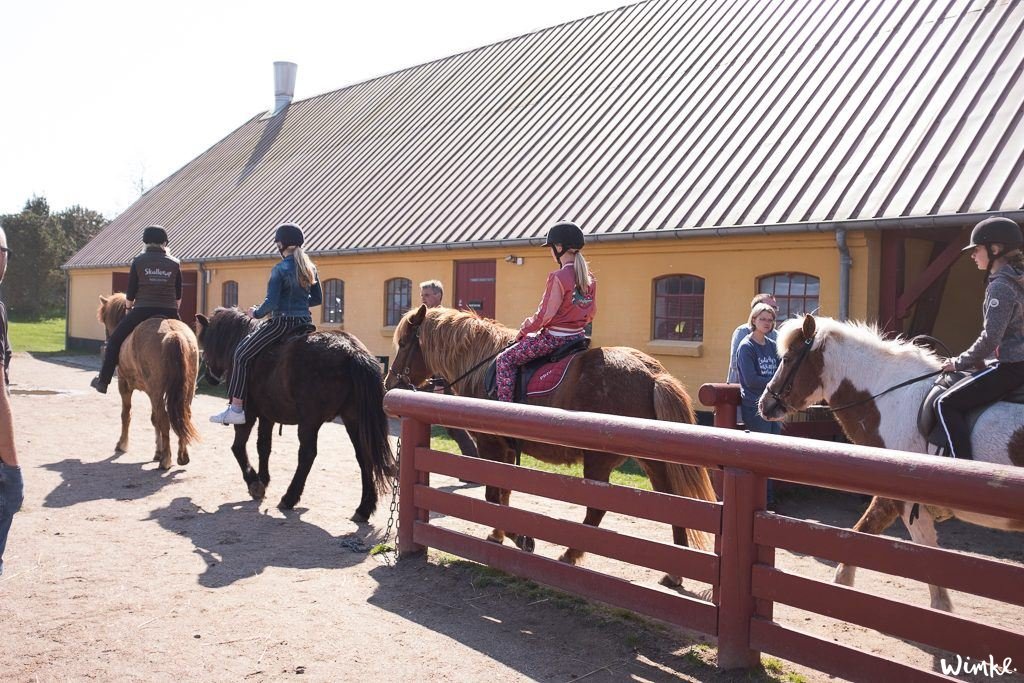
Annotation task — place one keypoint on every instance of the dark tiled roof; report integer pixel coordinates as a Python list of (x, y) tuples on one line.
[(658, 116)]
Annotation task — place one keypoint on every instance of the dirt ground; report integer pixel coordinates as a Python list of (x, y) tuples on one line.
[(117, 571)]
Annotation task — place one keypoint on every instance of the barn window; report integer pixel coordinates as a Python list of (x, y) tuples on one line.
[(796, 293), (334, 301), (678, 308), (397, 299), (229, 294)]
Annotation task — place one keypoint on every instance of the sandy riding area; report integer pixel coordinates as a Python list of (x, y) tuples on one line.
[(116, 571)]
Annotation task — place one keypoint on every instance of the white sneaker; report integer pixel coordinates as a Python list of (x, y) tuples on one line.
[(229, 417)]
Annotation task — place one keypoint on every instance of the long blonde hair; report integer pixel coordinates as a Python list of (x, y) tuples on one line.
[(583, 277), (304, 266)]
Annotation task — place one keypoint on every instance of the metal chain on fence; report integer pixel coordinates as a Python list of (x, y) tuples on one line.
[(390, 556)]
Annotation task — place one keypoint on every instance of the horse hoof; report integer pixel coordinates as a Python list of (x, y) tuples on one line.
[(165, 464), (671, 581), (359, 518), (120, 450), (525, 543), (286, 504), (257, 490), (183, 459), (569, 557)]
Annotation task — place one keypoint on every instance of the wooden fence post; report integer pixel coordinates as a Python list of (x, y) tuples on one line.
[(744, 494), (415, 434)]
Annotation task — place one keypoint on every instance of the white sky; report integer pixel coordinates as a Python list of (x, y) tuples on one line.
[(98, 95)]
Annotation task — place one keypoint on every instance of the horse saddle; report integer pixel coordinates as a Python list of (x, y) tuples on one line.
[(928, 423), (300, 332), (541, 375)]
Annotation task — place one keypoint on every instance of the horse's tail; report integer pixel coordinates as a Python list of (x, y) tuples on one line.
[(673, 404), (372, 422), (180, 368)]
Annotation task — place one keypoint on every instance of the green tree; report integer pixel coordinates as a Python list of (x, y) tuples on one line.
[(35, 285)]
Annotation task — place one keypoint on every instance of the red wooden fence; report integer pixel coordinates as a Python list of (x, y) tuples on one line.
[(741, 570)]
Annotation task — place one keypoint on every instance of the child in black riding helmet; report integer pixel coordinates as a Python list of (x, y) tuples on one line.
[(996, 248), (154, 289), (292, 290)]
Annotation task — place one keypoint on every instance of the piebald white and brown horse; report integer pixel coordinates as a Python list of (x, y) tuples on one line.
[(848, 363)]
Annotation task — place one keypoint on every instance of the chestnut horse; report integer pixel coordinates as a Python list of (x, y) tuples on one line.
[(306, 380), (848, 363), (614, 380), (161, 358)]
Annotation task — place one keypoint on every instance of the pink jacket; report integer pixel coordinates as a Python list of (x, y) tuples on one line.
[(562, 311)]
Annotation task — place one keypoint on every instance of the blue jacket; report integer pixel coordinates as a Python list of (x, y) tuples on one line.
[(285, 296), (757, 365)]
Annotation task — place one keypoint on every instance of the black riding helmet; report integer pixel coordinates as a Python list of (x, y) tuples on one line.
[(289, 235), (566, 233), (996, 230), (154, 234)]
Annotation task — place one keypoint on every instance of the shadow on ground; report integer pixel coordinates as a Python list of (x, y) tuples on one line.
[(82, 482), (237, 540), (543, 635)]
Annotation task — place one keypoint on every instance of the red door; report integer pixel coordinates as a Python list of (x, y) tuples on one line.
[(189, 280), (474, 286)]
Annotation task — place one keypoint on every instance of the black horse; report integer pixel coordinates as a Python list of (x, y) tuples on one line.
[(306, 380)]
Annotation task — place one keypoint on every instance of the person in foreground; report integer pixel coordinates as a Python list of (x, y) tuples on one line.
[(12, 486), (293, 288), (154, 289), (996, 248), (568, 305)]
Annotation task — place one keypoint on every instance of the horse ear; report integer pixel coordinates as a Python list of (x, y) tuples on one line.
[(809, 326), (104, 299), (419, 315), (202, 320)]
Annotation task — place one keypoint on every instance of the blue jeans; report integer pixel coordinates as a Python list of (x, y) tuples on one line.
[(755, 423), (12, 493)]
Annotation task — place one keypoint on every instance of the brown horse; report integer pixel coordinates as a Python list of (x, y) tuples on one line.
[(613, 380), (161, 358)]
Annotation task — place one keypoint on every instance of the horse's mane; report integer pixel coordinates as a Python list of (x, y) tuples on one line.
[(861, 333), (113, 310), (453, 341), (227, 327)]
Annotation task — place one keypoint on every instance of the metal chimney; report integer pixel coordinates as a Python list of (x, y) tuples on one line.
[(284, 85)]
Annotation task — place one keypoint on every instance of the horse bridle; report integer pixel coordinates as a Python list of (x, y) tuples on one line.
[(404, 375), (787, 384)]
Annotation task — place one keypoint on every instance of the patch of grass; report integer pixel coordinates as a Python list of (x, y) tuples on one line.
[(628, 474), (37, 336)]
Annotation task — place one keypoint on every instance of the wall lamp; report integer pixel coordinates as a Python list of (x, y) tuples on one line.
[(515, 260)]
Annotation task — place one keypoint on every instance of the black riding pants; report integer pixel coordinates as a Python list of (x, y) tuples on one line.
[(134, 318), (987, 386), (256, 341)]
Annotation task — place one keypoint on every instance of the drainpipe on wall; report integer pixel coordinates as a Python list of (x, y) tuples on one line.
[(845, 262), (202, 288)]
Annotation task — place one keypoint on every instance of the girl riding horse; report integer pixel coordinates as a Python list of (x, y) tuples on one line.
[(292, 290), (154, 289), (996, 248), (567, 306)]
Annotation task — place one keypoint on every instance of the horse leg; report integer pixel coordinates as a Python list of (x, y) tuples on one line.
[(491, 447), (162, 427), (879, 516), (596, 466), (249, 475), (264, 439), (307, 454), (368, 500), (657, 473), (923, 531), (126, 414)]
